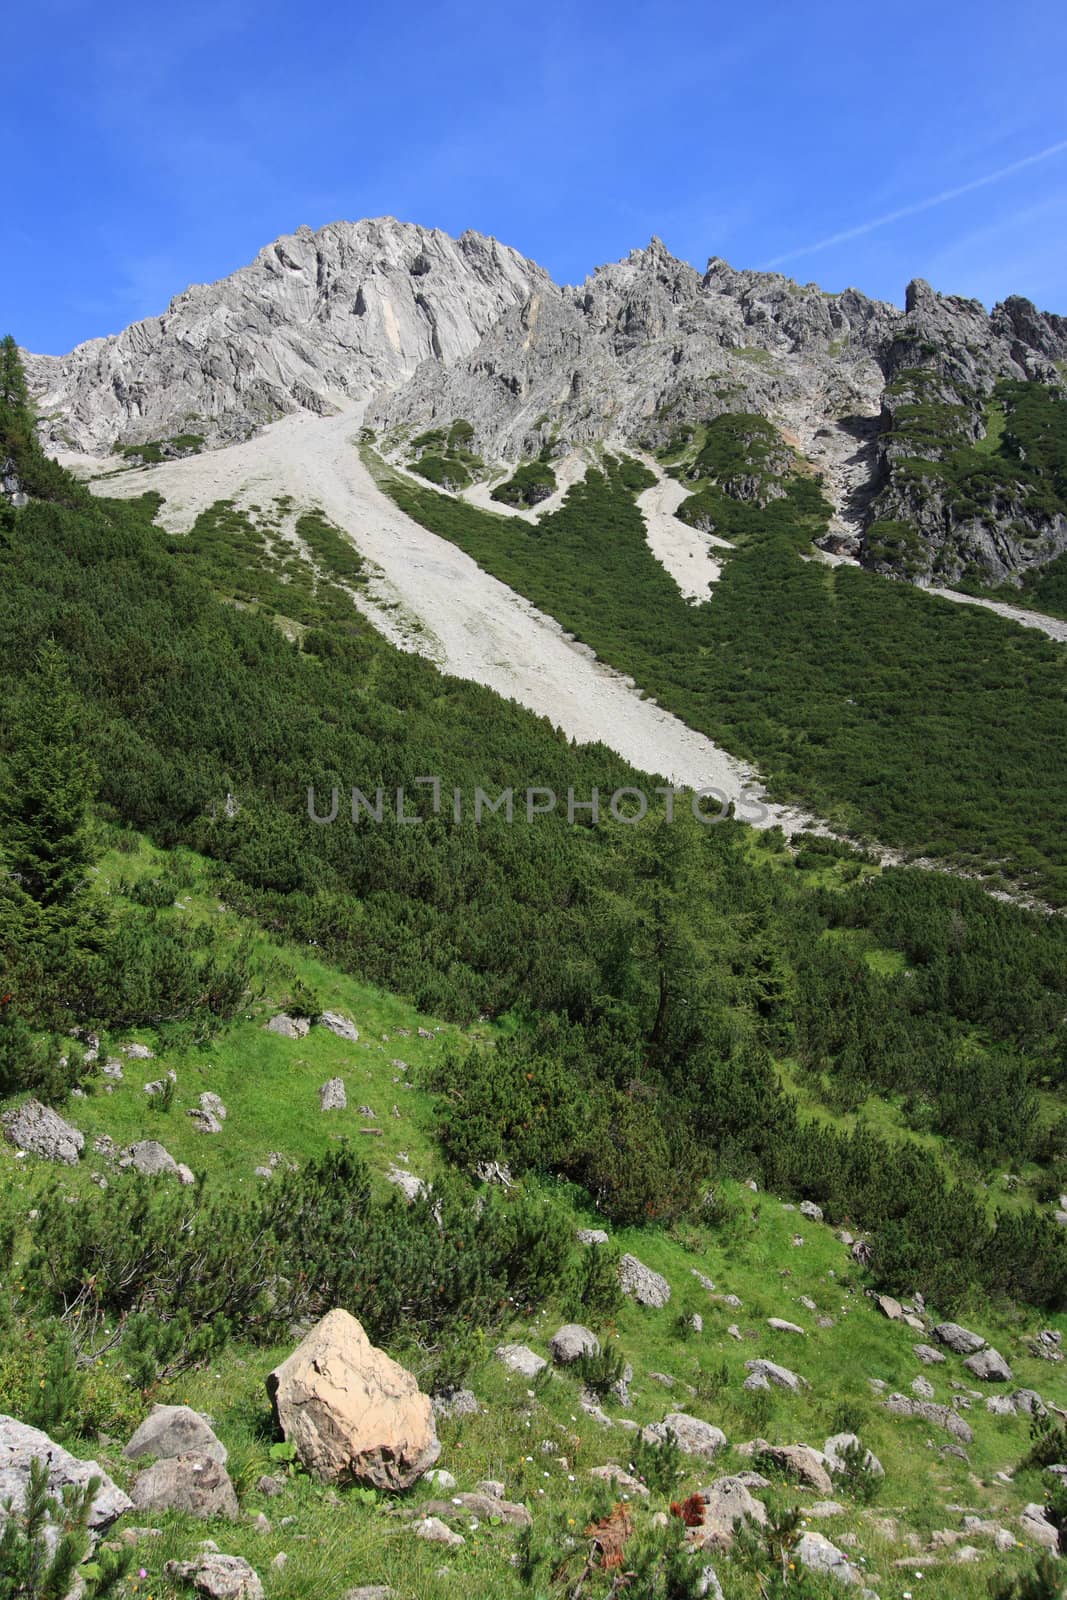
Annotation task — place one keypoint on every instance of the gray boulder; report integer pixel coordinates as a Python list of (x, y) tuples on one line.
[(780, 1325), (21, 1444), (149, 1157), (815, 1552), (194, 1484), (170, 1431), (764, 1373), (960, 1340), (835, 1450), (648, 1288), (1038, 1529), (572, 1342), (727, 1504), (693, 1436), (43, 1132), (289, 1027), (217, 1577), (809, 1467), (591, 1236), (901, 1405), (332, 1096), (990, 1366), (342, 1026), (928, 1355), (521, 1359), (809, 1209)]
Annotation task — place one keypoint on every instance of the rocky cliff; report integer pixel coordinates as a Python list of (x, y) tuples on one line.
[(316, 319), (884, 403)]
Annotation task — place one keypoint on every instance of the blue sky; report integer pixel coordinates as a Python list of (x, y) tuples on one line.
[(153, 146)]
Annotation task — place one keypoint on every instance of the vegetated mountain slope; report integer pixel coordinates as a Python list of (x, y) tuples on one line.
[(879, 400), (704, 1011)]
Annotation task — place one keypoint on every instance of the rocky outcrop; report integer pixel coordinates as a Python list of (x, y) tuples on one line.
[(318, 318), (350, 1411)]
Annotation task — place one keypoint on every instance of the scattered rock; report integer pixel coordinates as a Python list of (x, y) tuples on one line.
[(960, 1340), (455, 1403), (342, 1026), (332, 1096), (800, 1461), (483, 1506), (521, 1359), (137, 1052), (193, 1483), (410, 1186), (20, 1445), (370, 1591), (43, 1132), (928, 1355), (441, 1478), (218, 1577), (289, 1027), (693, 1437), (815, 1551), (270, 1486), (1038, 1529), (170, 1431), (572, 1342), (990, 1366), (770, 1372), (591, 1236), (727, 1503), (809, 1209), (204, 1121), (889, 1307), (901, 1405), (923, 1388), (648, 1288), (619, 1478), (839, 1444), (437, 1532), (112, 1068), (149, 1157), (826, 1508), (780, 1325), (351, 1411)]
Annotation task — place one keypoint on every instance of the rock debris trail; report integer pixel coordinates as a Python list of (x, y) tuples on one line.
[(684, 552), (426, 595)]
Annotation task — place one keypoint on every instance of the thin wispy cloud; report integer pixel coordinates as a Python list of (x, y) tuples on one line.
[(918, 206)]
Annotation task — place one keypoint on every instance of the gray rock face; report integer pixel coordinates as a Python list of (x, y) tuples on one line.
[(961, 1340), (316, 319), (21, 1444), (989, 1365), (43, 1132), (170, 1431), (572, 1342), (195, 1484), (693, 1436), (648, 1288)]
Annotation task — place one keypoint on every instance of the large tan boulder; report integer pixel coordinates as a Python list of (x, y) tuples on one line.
[(351, 1411)]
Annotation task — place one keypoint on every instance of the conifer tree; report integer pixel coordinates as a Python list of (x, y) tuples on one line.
[(13, 392)]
